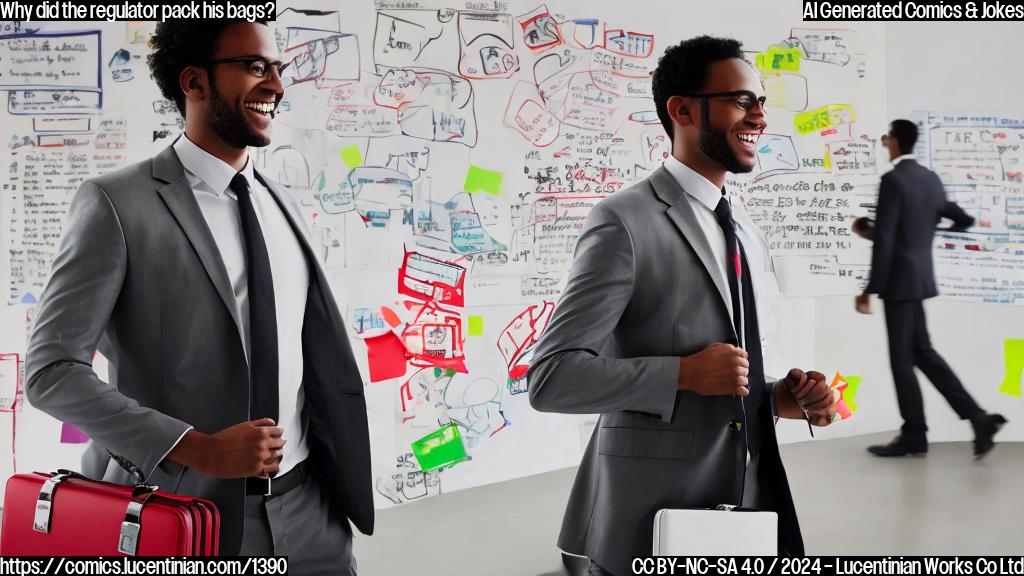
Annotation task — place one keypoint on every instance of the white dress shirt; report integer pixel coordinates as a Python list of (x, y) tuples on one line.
[(209, 178), (899, 159), (703, 197)]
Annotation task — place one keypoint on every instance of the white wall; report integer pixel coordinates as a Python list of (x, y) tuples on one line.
[(919, 75), (944, 67)]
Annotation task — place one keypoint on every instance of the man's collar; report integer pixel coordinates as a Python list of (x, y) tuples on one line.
[(694, 183), (216, 173), (899, 159)]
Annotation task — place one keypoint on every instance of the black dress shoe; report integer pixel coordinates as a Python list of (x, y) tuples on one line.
[(985, 428), (900, 446)]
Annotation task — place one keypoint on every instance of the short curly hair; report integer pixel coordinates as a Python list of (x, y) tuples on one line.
[(683, 69), (905, 133), (178, 44)]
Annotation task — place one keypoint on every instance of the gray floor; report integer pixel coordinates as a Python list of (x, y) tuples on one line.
[(848, 501)]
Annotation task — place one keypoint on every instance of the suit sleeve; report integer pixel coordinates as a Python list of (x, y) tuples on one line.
[(72, 315), (568, 373), (961, 219), (887, 216)]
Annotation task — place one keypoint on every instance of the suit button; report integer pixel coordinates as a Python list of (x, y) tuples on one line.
[(735, 425)]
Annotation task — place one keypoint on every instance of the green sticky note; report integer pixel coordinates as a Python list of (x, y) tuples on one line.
[(476, 325), (852, 383), (439, 448), (351, 156), (1013, 354), (482, 180)]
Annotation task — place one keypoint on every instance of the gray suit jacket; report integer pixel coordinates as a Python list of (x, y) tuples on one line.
[(643, 291), (140, 278)]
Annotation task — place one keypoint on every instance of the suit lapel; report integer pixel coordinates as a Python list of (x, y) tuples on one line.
[(681, 214), (295, 220), (318, 287), (181, 201)]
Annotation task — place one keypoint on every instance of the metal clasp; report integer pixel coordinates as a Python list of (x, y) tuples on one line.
[(269, 492), (128, 542), (44, 503), (131, 527)]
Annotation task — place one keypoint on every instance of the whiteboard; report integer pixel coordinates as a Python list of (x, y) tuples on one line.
[(445, 157)]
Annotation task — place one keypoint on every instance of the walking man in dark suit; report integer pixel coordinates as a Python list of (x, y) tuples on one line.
[(231, 376), (911, 201), (657, 330)]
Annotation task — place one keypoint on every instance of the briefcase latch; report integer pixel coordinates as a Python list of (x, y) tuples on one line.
[(44, 503), (128, 539)]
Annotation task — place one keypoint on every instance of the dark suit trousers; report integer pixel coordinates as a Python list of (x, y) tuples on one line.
[(910, 346), (299, 524)]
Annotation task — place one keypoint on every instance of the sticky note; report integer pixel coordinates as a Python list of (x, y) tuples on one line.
[(71, 435), (482, 180), (386, 357), (1013, 354), (351, 156), (476, 325), (840, 389), (778, 59), (853, 382), (439, 448), (823, 118)]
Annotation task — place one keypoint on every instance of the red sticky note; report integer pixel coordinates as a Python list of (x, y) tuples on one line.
[(71, 435), (386, 356)]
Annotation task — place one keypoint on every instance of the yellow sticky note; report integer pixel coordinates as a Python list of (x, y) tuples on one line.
[(351, 156), (853, 382), (1013, 353), (778, 59), (482, 180), (824, 117), (476, 325), (812, 120)]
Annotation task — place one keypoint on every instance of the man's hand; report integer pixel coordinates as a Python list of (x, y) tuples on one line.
[(864, 227), (247, 449), (813, 395), (718, 370), (863, 303)]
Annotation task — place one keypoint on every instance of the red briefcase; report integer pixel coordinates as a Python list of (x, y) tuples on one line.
[(66, 514)]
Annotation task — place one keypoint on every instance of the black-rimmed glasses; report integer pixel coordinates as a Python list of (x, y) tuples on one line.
[(745, 99), (258, 66)]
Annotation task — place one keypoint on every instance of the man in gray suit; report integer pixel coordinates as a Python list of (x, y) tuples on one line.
[(911, 201), (650, 330), (231, 376)]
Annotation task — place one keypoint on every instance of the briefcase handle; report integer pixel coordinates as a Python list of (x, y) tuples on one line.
[(131, 527)]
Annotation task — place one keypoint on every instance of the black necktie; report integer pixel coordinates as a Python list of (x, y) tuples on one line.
[(744, 316), (263, 369), (733, 264)]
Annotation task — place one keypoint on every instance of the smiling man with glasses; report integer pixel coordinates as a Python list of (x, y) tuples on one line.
[(658, 330), (232, 378)]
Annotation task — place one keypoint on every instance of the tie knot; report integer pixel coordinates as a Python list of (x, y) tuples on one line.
[(239, 185), (724, 213)]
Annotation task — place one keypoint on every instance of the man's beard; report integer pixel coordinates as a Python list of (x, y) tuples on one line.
[(230, 124), (715, 145)]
